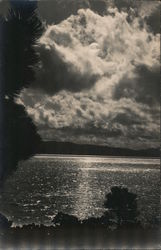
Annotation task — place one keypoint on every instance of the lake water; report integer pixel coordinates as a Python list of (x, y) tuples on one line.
[(46, 185)]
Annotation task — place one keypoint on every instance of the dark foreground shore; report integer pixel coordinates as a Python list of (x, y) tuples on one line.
[(75, 237)]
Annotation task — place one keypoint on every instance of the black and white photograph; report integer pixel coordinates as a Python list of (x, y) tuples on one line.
[(80, 124)]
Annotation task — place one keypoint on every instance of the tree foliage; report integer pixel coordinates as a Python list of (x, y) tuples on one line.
[(21, 137), (21, 30), (19, 34), (123, 204)]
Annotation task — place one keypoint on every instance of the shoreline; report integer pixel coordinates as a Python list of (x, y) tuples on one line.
[(92, 156)]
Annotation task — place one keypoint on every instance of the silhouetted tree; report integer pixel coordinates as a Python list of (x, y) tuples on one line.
[(21, 30), (21, 138), (19, 33), (123, 204)]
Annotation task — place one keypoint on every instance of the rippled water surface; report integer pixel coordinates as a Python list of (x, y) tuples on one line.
[(45, 185)]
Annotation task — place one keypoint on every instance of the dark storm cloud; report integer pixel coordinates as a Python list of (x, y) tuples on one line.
[(134, 137), (56, 74), (153, 21), (89, 134), (65, 117), (148, 85), (90, 129), (127, 119), (144, 88)]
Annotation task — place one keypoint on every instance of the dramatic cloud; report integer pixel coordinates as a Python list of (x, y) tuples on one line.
[(57, 70), (85, 118), (98, 78), (87, 49), (144, 88)]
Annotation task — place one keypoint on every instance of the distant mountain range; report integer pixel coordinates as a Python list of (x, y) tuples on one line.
[(53, 147)]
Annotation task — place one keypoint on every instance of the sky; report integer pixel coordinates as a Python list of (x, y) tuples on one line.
[(97, 81)]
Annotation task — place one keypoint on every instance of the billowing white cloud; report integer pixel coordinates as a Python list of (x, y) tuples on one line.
[(98, 81), (89, 50)]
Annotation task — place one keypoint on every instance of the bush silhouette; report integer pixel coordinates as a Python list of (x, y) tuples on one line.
[(62, 219), (122, 204)]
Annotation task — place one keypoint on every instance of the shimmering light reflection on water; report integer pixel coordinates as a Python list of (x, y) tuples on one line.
[(45, 185), (84, 193)]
